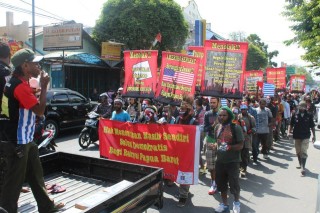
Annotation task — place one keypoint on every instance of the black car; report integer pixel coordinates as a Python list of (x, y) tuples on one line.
[(66, 109)]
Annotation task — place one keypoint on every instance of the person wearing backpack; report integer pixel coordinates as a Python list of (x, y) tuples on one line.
[(5, 69), (250, 124), (23, 154), (230, 142)]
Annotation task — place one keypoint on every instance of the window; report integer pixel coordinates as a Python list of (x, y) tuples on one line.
[(60, 99), (76, 99)]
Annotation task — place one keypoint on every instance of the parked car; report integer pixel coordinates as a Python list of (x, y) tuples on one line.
[(66, 109)]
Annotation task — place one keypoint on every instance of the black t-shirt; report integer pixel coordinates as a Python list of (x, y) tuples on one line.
[(302, 125)]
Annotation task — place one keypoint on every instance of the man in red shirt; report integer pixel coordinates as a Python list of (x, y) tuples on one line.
[(23, 161)]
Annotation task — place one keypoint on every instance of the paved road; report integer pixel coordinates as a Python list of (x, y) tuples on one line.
[(274, 185)]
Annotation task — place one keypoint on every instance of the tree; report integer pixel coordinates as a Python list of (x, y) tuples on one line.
[(256, 59), (255, 39), (137, 22), (305, 14)]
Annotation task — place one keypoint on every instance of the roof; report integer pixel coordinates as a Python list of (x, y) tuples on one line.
[(76, 58), (210, 35)]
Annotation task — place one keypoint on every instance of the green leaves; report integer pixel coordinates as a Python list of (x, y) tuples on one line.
[(305, 14), (136, 23)]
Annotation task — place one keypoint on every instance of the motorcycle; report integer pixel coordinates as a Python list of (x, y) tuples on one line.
[(44, 138), (89, 134)]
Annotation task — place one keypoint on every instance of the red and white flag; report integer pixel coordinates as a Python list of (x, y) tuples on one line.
[(157, 39)]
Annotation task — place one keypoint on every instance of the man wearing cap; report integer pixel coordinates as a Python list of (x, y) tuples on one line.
[(104, 109), (301, 123), (119, 114), (23, 157), (5, 69)]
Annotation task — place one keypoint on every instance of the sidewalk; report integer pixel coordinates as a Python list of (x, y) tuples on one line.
[(274, 185)]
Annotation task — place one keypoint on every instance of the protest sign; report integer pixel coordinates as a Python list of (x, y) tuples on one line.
[(277, 76), (297, 83), (198, 52), (140, 73), (175, 148), (177, 77), (251, 78), (225, 62)]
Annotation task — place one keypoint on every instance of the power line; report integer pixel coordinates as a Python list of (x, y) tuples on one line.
[(22, 10), (44, 10)]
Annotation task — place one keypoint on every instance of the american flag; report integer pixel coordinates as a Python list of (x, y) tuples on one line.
[(179, 77)]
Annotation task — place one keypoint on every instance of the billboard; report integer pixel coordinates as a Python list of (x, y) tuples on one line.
[(62, 37), (111, 51)]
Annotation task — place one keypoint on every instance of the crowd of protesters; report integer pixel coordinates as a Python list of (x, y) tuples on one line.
[(232, 136)]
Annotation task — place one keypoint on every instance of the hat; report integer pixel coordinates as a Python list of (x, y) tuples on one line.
[(243, 106), (303, 104), (24, 55), (120, 89)]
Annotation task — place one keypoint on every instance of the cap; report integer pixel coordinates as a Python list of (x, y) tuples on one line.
[(120, 89), (235, 110), (24, 55), (104, 95), (243, 106)]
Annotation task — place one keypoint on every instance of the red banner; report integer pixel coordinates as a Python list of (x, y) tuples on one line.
[(251, 78), (297, 83), (177, 77), (225, 61), (140, 73), (198, 52), (277, 76), (175, 148)]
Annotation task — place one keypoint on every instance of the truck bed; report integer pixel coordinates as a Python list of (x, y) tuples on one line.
[(84, 177), (77, 188)]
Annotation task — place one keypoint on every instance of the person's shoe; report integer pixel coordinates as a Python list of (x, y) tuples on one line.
[(303, 173), (222, 208), (243, 174), (182, 202), (212, 189), (236, 207)]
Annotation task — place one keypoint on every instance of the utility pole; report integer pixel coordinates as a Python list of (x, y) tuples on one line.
[(33, 29)]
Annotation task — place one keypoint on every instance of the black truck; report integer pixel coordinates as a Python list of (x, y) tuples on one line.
[(87, 180)]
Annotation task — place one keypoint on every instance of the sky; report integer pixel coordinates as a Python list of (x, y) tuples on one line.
[(261, 17)]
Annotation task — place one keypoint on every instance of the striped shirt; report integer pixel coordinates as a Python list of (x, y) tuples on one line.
[(26, 123)]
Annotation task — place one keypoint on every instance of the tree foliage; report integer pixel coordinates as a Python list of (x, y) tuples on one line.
[(256, 40), (137, 22), (305, 14), (256, 59)]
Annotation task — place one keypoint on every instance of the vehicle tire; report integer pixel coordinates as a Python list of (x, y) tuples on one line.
[(52, 125), (84, 139)]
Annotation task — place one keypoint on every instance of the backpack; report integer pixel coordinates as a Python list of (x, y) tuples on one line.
[(9, 132)]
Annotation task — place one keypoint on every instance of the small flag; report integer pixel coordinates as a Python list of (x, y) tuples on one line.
[(268, 90), (178, 77), (224, 102), (157, 39)]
